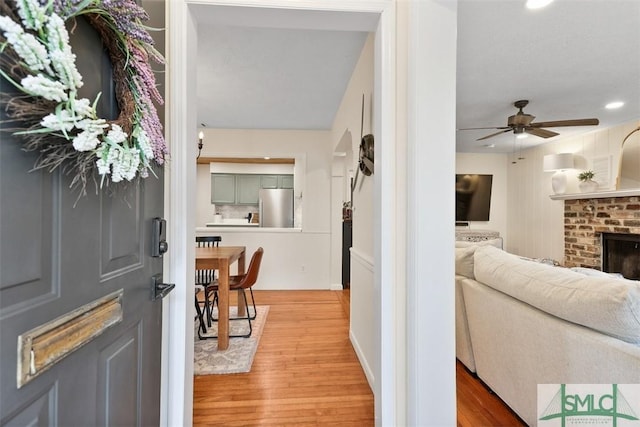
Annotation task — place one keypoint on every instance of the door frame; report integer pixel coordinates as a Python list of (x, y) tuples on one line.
[(177, 390)]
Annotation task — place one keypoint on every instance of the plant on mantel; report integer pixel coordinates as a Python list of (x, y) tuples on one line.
[(586, 175), (587, 184)]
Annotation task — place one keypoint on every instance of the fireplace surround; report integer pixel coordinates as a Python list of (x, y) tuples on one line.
[(587, 219)]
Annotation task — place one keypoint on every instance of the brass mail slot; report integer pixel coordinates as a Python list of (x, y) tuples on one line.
[(43, 346)]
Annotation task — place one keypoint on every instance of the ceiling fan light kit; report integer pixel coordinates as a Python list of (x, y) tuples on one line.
[(558, 163), (537, 4)]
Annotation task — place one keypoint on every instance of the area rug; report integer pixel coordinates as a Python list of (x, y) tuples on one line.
[(239, 356)]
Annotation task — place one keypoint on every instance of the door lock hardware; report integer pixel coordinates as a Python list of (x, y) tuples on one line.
[(159, 244), (158, 288)]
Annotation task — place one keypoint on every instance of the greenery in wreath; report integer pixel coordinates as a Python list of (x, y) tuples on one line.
[(45, 109)]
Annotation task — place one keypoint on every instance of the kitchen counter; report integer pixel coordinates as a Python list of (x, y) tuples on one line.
[(232, 224), (246, 228)]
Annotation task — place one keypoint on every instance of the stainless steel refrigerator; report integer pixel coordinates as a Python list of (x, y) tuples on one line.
[(276, 208)]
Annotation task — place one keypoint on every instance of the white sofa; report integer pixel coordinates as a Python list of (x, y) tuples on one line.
[(521, 323)]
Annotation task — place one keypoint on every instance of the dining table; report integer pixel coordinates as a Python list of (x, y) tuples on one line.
[(221, 258)]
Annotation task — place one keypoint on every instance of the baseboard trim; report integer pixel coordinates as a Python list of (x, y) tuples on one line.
[(363, 360), (336, 287)]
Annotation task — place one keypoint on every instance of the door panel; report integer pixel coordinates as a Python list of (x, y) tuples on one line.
[(58, 253), (27, 242), (119, 370), (121, 218)]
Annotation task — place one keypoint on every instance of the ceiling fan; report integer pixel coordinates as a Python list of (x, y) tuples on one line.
[(522, 123)]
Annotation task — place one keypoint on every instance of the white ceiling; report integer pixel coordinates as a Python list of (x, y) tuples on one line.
[(568, 59), (282, 69), (264, 68)]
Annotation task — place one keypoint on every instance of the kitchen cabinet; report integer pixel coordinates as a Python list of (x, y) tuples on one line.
[(269, 181), (247, 189), (223, 189), (276, 181), (285, 181), (244, 189)]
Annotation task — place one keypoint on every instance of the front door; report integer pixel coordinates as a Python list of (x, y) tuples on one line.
[(58, 256)]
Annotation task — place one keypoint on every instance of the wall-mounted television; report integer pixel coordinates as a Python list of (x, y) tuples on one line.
[(473, 197)]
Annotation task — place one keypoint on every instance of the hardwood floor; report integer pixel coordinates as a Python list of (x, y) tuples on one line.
[(478, 406), (306, 373)]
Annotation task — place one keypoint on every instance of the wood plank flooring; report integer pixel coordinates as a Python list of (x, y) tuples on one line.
[(306, 373)]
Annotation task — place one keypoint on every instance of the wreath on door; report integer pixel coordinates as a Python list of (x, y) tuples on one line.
[(45, 110)]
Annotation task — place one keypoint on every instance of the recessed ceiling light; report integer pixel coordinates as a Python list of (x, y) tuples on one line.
[(490, 145), (537, 4), (614, 105)]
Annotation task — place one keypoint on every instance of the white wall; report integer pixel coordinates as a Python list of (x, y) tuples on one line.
[(430, 123), (292, 260), (496, 165), (535, 223), (347, 124)]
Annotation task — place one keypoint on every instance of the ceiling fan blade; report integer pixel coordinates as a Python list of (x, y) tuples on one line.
[(494, 134), (542, 133), (495, 127), (560, 123)]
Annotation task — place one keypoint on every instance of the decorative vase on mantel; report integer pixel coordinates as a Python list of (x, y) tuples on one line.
[(589, 186)]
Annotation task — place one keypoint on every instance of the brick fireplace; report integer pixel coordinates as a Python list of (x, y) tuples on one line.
[(586, 219)]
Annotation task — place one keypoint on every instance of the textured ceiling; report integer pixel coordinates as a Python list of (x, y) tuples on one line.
[(266, 78), (288, 69)]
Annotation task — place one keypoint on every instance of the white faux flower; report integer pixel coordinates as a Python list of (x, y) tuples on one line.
[(93, 125), (32, 14), (83, 108), (86, 141), (122, 162), (65, 65), (115, 153), (29, 49), (129, 163), (116, 135), (9, 26), (62, 121), (103, 159), (57, 34), (143, 144), (42, 86)]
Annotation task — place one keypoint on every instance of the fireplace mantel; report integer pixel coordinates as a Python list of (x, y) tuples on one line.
[(597, 195)]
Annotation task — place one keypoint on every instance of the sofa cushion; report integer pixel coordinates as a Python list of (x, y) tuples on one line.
[(464, 255), (611, 306), (464, 261)]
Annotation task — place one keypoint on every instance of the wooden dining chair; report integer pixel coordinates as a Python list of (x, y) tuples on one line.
[(242, 282), (206, 277)]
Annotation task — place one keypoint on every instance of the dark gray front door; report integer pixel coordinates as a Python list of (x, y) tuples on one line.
[(55, 257)]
